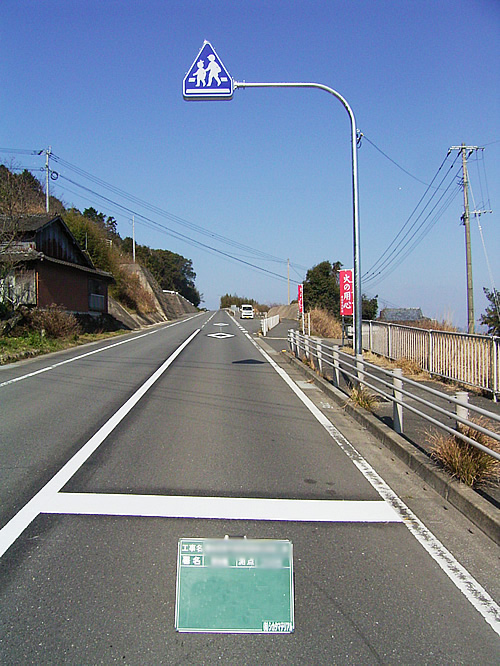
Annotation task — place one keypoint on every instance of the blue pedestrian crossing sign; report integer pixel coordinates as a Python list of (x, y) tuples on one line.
[(207, 77)]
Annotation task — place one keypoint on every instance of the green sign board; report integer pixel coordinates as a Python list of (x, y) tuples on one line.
[(234, 586)]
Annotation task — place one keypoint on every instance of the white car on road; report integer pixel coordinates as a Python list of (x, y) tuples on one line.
[(246, 312)]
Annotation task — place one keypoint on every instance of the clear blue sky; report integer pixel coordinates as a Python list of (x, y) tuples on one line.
[(101, 83)]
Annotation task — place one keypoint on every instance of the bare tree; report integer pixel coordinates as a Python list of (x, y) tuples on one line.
[(20, 195)]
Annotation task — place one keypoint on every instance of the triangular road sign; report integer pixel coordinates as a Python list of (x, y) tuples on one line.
[(207, 77)]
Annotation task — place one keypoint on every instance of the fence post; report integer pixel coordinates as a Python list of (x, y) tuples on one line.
[(306, 346), (389, 342), (397, 409), (370, 337), (320, 357), (462, 410), (430, 364), (359, 369), (495, 343), (336, 368)]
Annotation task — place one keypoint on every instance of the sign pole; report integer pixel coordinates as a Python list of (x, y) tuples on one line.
[(208, 79), (355, 196)]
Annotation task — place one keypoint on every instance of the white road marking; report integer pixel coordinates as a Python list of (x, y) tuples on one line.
[(91, 353), (16, 525), (238, 508), (470, 588), (220, 336)]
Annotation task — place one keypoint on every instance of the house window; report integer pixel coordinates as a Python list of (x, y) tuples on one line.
[(97, 296)]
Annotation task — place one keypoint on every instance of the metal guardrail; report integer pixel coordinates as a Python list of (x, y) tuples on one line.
[(268, 323), (473, 360), (394, 387)]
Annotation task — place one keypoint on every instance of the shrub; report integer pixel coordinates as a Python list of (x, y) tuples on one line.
[(54, 322), (463, 460)]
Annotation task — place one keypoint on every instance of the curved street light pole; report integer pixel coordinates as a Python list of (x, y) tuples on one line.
[(358, 348)]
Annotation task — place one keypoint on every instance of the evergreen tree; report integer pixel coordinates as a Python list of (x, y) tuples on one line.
[(321, 287), (491, 317)]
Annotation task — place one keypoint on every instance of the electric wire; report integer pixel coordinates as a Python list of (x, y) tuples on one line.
[(170, 216), (394, 161), (390, 269), (146, 221), (423, 232), (261, 255), (388, 255), (477, 215), (21, 151)]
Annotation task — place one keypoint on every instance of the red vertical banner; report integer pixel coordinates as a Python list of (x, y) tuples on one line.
[(346, 293), (301, 298)]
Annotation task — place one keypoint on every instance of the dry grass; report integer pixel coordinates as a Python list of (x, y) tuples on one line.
[(361, 396), (129, 291), (463, 460), (325, 325), (410, 368), (430, 325)]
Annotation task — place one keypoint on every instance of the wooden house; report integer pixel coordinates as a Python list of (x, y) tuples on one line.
[(47, 266)]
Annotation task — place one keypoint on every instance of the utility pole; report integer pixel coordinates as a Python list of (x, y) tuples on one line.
[(466, 152), (47, 172), (288, 272), (133, 238)]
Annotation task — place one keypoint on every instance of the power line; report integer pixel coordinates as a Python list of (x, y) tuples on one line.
[(393, 161), (176, 234), (21, 151), (382, 275), (380, 263), (263, 256), (170, 216)]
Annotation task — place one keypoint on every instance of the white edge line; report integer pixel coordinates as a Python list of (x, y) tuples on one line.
[(94, 351), (222, 508), (464, 581), (16, 525)]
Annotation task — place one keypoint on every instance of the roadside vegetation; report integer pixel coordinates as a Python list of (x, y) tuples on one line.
[(363, 397), (33, 332), (464, 461)]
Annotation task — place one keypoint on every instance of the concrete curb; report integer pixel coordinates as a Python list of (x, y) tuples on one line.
[(481, 512)]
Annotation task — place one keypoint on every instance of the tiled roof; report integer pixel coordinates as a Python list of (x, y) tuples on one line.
[(34, 222), (401, 314)]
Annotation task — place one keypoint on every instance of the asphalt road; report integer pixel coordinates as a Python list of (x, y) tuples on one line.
[(111, 453)]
